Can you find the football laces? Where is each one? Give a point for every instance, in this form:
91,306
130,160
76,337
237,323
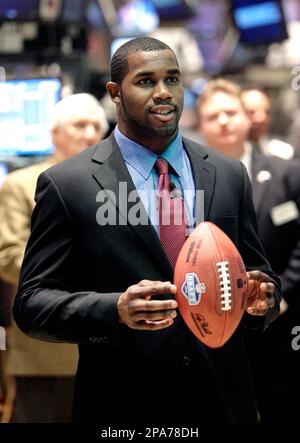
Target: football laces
224,278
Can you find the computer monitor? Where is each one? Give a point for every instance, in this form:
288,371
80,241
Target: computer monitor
135,18
3,173
259,21
19,9
25,111
73,11
175,9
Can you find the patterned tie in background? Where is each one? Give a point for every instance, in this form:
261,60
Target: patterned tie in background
172,226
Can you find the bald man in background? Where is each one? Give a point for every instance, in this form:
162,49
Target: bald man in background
224,125
43,372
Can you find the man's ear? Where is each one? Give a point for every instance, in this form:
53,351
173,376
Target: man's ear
54,134
114,91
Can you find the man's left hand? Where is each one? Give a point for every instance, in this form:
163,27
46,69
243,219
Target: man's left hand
260,297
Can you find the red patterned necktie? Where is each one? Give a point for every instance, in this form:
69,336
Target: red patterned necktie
172,226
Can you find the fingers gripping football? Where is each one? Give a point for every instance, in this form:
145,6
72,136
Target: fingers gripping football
260,293
137,310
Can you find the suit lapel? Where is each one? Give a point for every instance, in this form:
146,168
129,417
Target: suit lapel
261,179
204,178
112,174
111,171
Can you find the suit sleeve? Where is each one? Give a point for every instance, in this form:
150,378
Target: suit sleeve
253,254
45,306
15,213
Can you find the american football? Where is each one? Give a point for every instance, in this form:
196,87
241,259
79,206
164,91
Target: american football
211,282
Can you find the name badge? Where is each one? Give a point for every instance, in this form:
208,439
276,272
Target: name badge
284,213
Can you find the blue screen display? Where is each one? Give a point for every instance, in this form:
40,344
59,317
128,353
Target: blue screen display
166,3
174,9
258,15
19,9
73,10
3,173
136,17
25,111
259,21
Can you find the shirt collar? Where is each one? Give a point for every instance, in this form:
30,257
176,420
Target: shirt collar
246,158
143,160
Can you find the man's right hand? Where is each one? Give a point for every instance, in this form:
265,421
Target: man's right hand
138,311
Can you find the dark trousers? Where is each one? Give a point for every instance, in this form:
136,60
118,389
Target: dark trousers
43,400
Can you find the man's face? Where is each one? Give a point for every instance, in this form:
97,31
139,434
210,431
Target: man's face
224,124
78,133
258,109
150,98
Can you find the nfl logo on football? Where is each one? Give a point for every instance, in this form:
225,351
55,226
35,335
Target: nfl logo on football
192,288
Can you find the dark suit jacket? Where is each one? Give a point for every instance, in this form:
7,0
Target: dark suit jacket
74,271
271,354
280,241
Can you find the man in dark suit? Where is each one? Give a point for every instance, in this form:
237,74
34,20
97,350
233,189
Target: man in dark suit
96,273
223,124
276,194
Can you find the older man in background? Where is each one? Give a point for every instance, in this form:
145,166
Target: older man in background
43,373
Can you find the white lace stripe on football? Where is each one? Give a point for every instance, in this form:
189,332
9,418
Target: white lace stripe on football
225,285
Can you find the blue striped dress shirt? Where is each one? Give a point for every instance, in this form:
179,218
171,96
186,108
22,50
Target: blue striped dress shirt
140,162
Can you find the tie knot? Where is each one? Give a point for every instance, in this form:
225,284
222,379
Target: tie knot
162,166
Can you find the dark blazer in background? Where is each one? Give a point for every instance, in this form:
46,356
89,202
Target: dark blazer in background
74,271
276,182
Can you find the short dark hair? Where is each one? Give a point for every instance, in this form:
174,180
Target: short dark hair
119,65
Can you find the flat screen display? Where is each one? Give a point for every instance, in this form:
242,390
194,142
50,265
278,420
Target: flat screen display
25,111
259,21
73,11
19,9
175,9
3,173
135,18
